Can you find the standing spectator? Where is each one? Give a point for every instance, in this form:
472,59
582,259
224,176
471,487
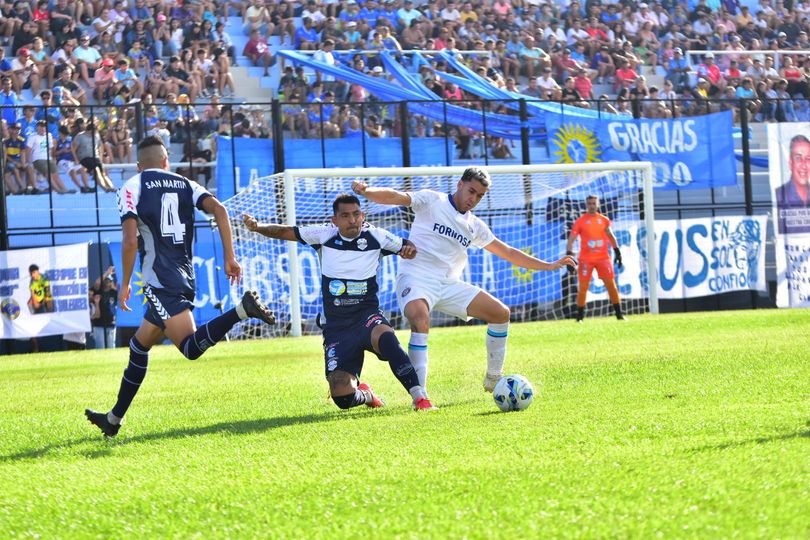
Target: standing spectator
106,303
87,150
17,174
63,154
9,101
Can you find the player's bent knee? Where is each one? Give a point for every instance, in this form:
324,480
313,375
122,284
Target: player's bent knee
344,402
501,315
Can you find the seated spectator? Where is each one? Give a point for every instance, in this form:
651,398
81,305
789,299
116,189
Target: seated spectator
533,59
551,90
711,72
258,51
583,85
17,175
306,37
602,65
67,84
257,17
104,80
87,60
677,69
40,149
533,90
126,77
180,80
26,74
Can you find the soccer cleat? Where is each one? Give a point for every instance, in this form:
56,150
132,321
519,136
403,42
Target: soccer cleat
256,309
99,419
424,404
621,317
490,381
372,399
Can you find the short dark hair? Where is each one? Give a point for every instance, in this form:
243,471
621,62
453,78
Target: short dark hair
33,268
476,173
344,198
151,140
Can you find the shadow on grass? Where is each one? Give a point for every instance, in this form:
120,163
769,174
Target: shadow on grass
240,427
757,440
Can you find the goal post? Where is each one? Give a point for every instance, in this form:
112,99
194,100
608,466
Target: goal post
528,206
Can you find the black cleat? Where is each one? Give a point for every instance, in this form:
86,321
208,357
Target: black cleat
99,419
256,309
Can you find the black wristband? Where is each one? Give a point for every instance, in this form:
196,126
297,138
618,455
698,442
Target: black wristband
569,252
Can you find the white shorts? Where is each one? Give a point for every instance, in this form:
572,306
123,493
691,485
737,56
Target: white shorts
66,166
450,296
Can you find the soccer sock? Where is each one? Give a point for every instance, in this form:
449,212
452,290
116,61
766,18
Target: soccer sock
352,400
418,353
417,392
131,381
208,334
496,347
398,360
617,309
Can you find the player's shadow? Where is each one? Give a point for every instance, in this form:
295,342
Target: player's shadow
239,427
756,440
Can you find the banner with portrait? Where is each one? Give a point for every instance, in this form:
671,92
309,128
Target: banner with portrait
789,172
44,291
687,153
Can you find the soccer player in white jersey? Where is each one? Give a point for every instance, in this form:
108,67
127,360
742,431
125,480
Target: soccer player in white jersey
350,250
444,228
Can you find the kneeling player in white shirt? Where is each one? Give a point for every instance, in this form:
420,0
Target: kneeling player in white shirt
443,228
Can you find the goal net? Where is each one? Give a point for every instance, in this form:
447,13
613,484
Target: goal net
530,207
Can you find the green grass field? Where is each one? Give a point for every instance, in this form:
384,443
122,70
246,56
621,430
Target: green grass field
692,425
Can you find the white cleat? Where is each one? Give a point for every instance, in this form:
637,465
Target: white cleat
490,381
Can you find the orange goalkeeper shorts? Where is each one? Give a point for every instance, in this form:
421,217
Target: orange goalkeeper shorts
603,267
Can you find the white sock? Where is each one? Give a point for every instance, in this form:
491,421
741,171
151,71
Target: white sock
496,348
418,353
111,418
240,310
417,392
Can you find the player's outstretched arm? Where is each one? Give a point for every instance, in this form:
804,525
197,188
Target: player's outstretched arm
279,232
518,258
381,195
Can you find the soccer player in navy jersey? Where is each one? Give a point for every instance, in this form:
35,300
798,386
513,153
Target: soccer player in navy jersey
350,250
157,217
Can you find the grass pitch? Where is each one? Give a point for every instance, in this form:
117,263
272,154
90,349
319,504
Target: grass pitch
692,425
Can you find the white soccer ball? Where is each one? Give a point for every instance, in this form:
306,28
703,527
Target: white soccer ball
513,393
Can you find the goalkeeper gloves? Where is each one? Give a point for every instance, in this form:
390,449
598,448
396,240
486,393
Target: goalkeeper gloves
571,269
617,258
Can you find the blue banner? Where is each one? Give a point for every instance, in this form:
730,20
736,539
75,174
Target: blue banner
688,153
246,158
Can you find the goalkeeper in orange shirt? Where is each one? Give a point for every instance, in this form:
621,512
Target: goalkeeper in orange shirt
594,234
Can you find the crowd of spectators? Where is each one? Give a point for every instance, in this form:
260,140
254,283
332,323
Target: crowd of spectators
172,56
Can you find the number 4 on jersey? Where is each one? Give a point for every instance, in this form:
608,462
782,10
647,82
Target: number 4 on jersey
170,224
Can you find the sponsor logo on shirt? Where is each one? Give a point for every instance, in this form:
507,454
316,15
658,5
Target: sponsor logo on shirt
449,232
336,287
356,288
406,292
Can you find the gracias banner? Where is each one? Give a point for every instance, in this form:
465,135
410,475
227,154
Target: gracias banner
695,257
43,291
789,156
688,153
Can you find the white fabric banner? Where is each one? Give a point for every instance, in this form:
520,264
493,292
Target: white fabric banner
789,168
49,300
696,257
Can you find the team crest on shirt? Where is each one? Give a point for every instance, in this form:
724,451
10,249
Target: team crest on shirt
406,292
362,243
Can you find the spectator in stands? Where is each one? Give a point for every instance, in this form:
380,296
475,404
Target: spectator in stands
711,72
26,74
87,151
306,37
677,69
40,149
126,77
258,51
785,111
87,60
533,59
17,174
9,101
63,154
180,80
583,85
104,80
796,81
551,90
602,64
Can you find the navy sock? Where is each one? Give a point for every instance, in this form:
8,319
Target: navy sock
133,377
352,400
398,360
208,334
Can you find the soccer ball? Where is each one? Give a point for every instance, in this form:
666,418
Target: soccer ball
513,393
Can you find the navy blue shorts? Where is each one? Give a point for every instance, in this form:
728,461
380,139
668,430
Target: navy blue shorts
162,305
344,345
